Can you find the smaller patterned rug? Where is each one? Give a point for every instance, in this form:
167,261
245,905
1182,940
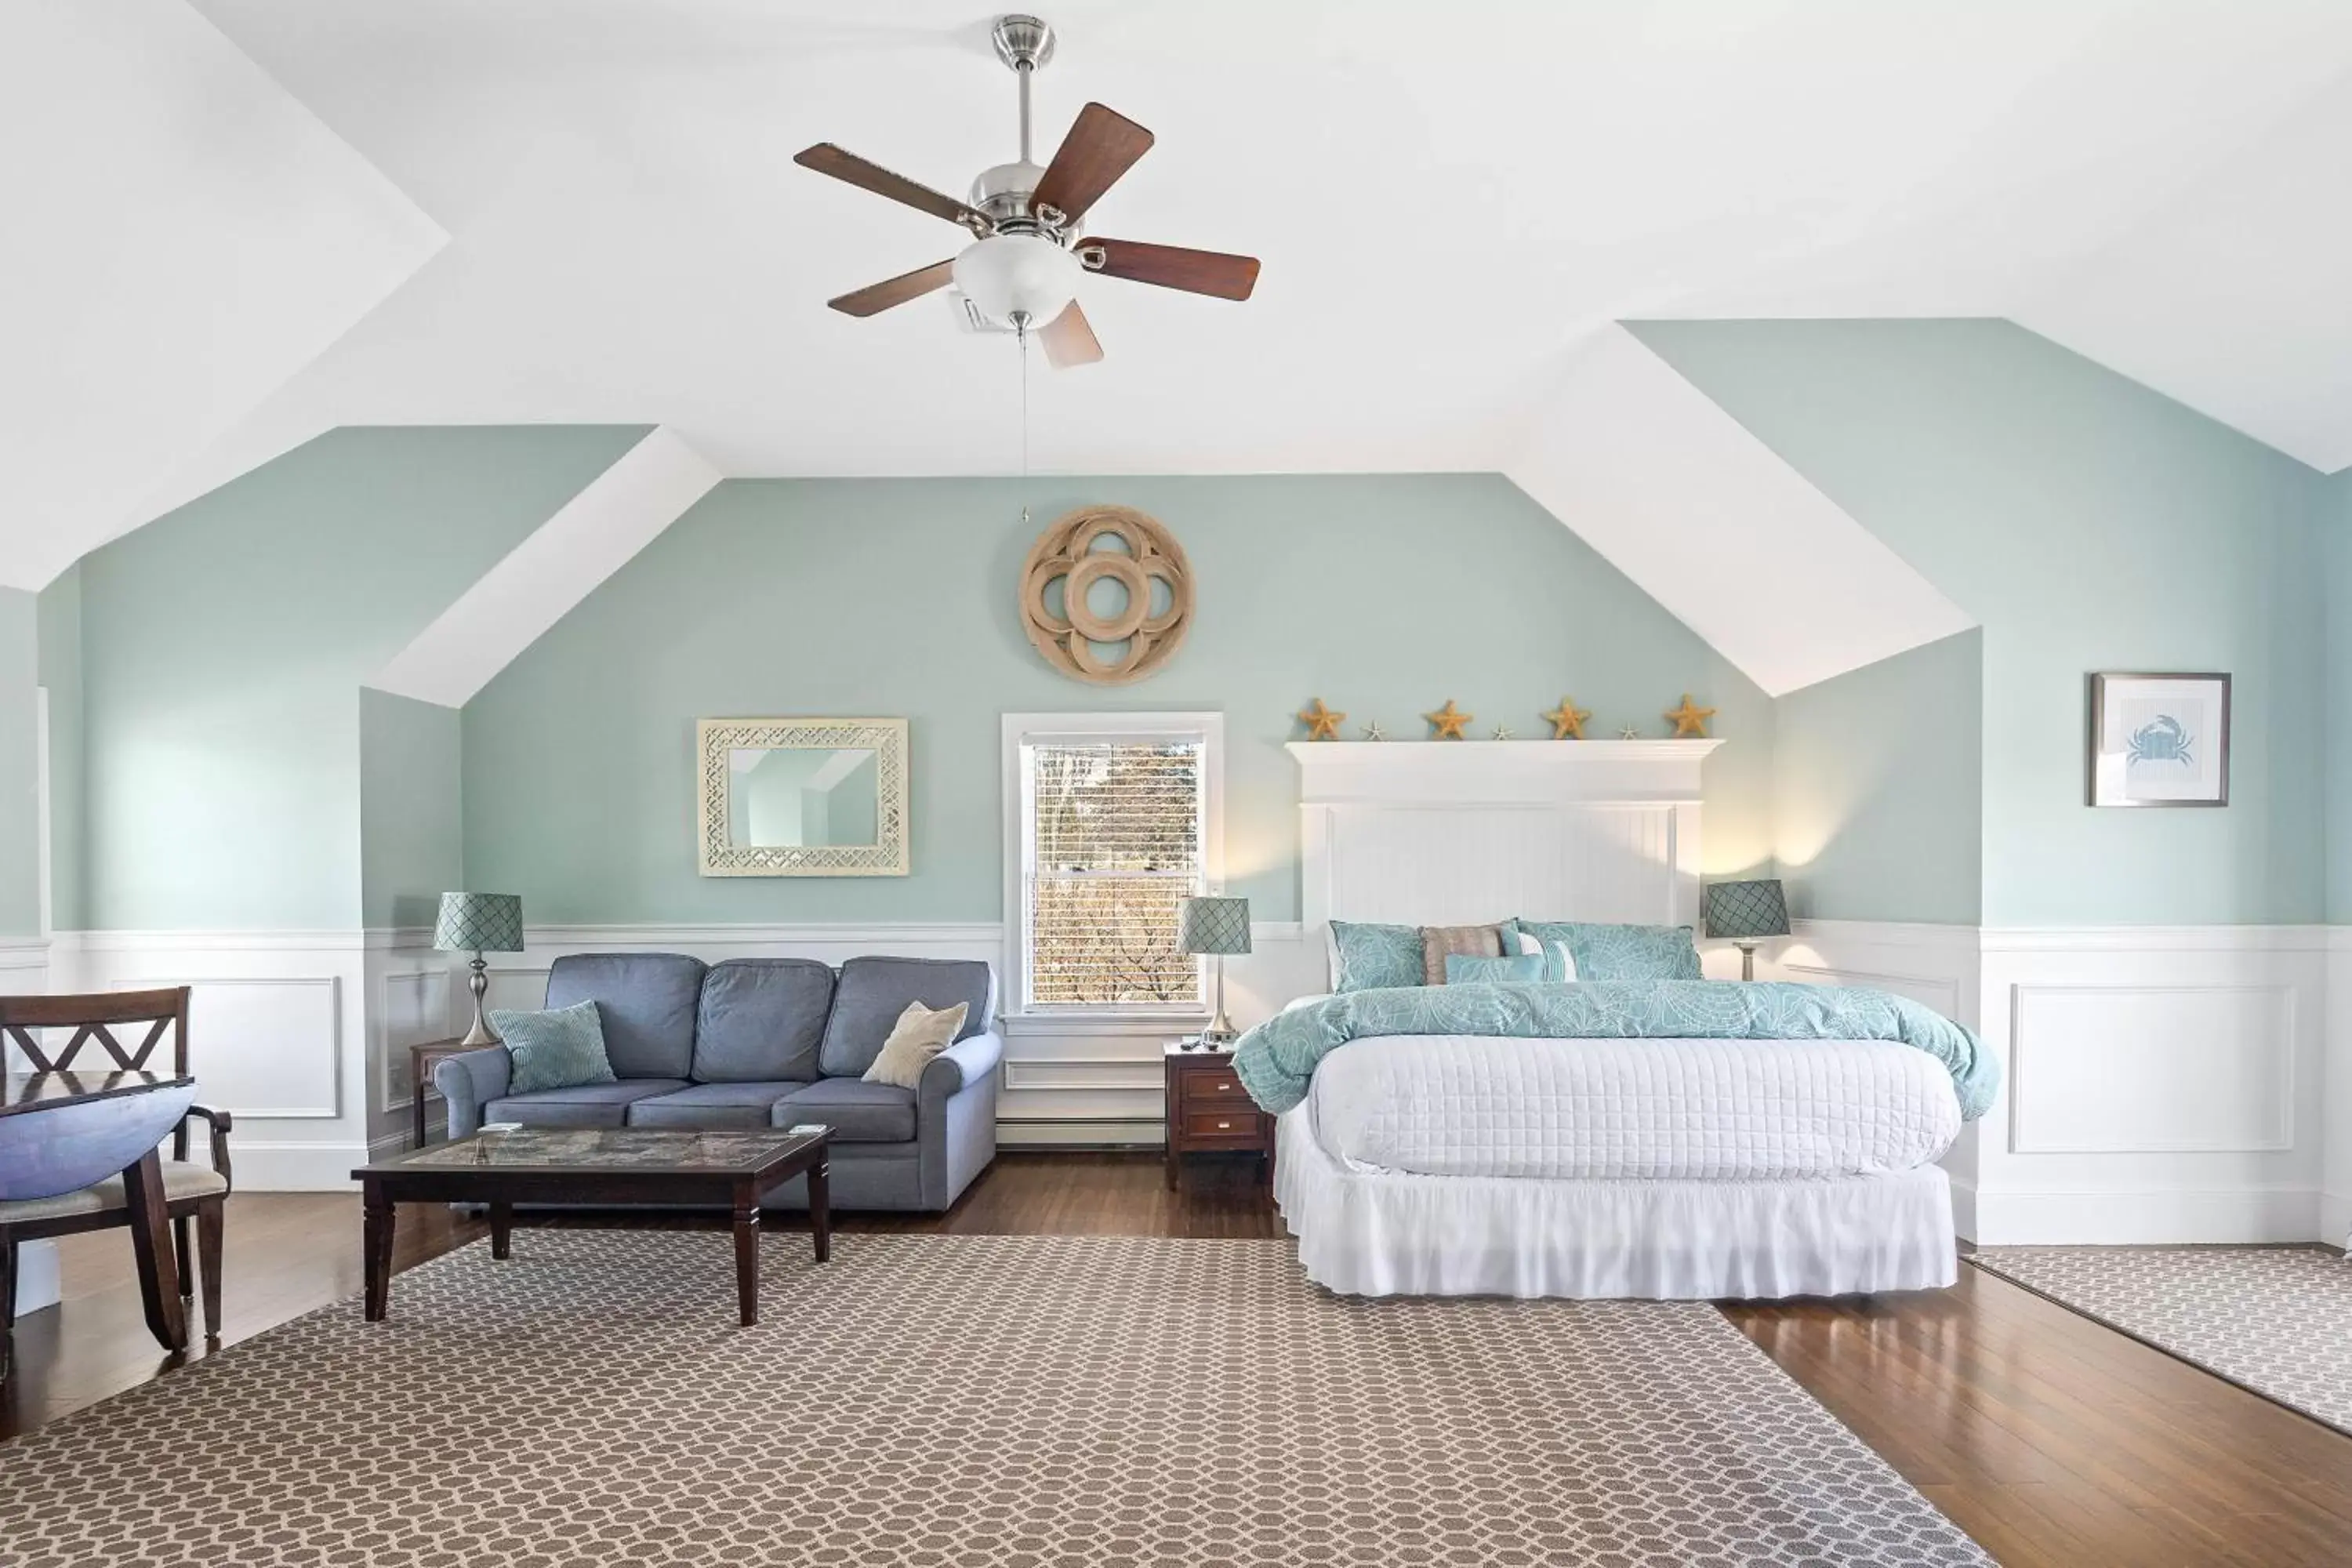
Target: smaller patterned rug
2275,1319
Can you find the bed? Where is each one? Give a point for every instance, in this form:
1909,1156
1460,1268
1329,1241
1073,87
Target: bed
1681,1138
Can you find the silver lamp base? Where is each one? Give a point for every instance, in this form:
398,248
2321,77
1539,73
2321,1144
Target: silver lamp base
480,1035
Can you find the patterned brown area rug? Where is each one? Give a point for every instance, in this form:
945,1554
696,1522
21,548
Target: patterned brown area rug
2275,1319
944,1401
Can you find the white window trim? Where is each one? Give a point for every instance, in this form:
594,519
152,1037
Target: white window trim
1029,728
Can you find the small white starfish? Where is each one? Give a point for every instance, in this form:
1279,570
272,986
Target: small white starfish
1372,731
1505,732
1628,734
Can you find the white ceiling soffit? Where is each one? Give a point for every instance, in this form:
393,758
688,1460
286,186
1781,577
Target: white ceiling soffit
2214,300
1711,523
561,563
186,237
1442,211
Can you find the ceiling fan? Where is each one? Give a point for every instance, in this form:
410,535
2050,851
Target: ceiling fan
1021,272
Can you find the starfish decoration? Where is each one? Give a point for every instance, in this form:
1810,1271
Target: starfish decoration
1322,724
1567,720
1448,721
1628,734
1372,731
1689,719
1505,732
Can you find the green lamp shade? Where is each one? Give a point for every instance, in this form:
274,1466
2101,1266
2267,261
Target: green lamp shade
1744,911
479,923
1213,925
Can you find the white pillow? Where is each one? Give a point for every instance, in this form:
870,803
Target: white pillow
1555,954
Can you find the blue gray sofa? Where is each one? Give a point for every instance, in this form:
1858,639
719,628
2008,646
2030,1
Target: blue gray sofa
770,1042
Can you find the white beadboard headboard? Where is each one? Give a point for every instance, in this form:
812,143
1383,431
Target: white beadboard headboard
1465,832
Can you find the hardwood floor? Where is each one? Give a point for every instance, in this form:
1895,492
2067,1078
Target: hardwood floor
2049,1438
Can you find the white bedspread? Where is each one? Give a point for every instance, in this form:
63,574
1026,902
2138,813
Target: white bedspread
1453,1105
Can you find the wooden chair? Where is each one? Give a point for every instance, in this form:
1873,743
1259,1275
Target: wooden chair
192,1193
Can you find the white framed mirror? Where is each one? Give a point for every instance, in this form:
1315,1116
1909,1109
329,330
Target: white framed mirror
801,797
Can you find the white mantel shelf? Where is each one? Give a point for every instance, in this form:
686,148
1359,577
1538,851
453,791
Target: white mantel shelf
1461,772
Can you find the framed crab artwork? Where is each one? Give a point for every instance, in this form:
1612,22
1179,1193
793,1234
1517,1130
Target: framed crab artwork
2159,740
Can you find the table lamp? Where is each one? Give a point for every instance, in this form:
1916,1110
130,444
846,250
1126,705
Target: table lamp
479,923
1215,927
1746,912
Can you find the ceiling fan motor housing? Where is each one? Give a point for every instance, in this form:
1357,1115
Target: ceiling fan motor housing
1003,191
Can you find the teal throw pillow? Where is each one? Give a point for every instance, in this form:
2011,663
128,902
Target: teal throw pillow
1370,957
1621,952
560,1050
1523,969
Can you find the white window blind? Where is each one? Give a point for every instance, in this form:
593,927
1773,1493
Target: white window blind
1114,842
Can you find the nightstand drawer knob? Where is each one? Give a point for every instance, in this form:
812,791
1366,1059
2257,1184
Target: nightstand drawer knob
1225,1126
1225,1089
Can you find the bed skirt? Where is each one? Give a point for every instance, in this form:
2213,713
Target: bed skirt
1383,1233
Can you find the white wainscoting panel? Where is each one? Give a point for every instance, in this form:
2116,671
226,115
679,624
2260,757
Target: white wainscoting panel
279,1034
414,1008
2161,1085
2151,1069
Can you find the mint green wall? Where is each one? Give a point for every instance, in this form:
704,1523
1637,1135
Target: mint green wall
1878,789
412,830
20,801
1385,595
2338,557
60,669
223,648
2087,523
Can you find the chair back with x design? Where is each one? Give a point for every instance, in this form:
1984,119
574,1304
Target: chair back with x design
93,1020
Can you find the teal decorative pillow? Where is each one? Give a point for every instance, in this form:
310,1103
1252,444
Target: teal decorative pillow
1370,957
1521,969
560,1050
1622,952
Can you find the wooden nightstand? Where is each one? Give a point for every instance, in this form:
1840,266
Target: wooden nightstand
1208,1109
420,1077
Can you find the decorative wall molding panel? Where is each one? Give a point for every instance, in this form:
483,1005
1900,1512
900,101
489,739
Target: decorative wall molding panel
2159,1085
269,1043
415,1009
2151,1069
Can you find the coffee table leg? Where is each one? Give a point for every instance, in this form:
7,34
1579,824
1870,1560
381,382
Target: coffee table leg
375,1248
747,1254
820,1200
501,1231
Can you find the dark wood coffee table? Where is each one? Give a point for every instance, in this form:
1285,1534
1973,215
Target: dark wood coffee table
599,1166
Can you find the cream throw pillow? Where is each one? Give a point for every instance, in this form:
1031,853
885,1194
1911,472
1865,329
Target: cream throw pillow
919,1035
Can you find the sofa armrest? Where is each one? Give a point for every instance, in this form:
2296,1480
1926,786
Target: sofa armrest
958,1066
468,1081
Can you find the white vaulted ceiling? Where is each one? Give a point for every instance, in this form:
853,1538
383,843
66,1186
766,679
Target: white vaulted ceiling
1449,205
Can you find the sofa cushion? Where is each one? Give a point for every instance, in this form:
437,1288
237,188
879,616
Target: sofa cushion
713,1107
760,1020
583,1105
647,1001
873,993
857,1111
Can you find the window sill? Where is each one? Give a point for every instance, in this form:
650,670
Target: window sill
1106,1022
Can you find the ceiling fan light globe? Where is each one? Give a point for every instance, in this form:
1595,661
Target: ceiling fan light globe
1018,276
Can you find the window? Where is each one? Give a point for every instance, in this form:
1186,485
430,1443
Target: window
1116,826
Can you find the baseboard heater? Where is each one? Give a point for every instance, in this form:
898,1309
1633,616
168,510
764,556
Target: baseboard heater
1081,1132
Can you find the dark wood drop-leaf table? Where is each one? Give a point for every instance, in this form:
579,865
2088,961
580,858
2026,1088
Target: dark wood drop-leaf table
596,1167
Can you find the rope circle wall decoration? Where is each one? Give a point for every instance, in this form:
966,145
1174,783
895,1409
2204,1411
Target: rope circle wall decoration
1077,631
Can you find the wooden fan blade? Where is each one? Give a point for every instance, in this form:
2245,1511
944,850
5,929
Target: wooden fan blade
1102,145
875,298
827,159
1069,339
1172,266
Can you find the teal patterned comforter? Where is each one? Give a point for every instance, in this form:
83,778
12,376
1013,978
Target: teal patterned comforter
1275,1060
